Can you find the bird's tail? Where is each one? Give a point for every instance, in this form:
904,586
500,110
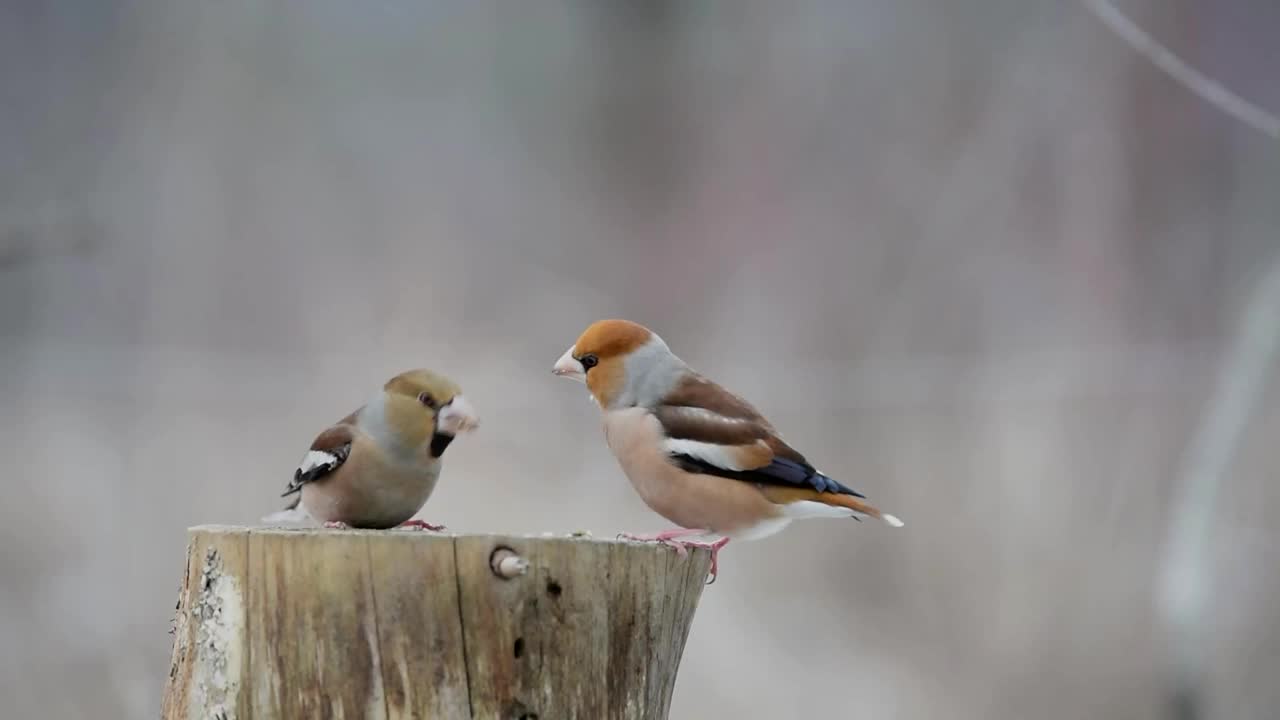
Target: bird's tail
860,506
293,513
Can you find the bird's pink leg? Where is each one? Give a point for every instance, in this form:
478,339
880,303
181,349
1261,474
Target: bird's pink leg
668,538
337,525
421,525
714,547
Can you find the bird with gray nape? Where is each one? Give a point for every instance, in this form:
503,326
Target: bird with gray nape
376,467
697,454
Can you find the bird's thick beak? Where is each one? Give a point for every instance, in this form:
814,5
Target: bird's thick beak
569,367
457,416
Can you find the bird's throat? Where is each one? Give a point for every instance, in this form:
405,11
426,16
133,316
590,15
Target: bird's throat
440,443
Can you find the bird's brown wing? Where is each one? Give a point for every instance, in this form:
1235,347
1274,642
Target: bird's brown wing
327,453
712,431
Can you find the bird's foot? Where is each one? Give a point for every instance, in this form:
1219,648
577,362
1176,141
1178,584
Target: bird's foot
337,525
420,525
669,538
665,537
714,547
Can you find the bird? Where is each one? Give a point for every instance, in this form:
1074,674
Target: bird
698,455
376,467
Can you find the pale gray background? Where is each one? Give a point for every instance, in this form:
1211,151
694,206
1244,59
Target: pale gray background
980,260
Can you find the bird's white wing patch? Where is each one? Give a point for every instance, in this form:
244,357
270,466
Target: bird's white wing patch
705,415
718,455
317,459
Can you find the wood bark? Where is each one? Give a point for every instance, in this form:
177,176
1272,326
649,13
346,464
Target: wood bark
275,623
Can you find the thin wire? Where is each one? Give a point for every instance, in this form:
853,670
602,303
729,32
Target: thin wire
1197,82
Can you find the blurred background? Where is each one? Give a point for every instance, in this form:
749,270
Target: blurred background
983,261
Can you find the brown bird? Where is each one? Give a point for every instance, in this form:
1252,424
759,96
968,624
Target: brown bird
698,455
377,466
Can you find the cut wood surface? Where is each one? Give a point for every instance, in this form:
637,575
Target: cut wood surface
309,623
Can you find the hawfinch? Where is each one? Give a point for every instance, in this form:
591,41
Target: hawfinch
698,455
377,466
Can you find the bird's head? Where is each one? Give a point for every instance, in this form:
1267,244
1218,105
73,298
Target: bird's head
422,404
617,360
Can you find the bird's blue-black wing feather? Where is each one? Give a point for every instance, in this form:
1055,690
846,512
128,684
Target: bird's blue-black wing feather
781,471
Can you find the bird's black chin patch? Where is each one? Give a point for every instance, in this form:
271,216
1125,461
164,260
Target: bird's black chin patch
439,443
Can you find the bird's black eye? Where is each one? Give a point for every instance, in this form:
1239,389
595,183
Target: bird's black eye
426,399
589,361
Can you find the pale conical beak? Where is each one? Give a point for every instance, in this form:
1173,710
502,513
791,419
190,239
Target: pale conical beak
458,416
569,367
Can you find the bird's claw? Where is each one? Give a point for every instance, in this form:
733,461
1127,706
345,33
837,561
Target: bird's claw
714,571
679,547
669,539
420,525
337,525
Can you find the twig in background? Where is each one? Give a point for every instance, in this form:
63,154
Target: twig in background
1206,87
1183,590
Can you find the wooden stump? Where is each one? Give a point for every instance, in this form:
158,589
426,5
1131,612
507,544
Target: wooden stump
291,624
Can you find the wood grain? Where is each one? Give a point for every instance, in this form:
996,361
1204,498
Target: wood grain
391,625
419,627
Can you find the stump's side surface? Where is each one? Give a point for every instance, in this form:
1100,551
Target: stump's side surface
316,623
209,667
593,630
